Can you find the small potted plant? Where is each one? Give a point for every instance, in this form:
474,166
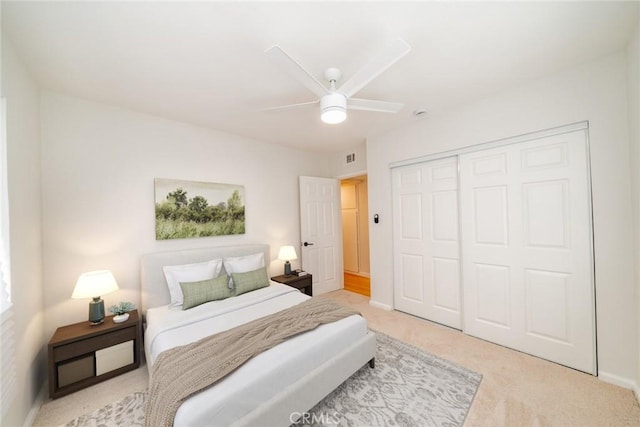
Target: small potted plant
120,310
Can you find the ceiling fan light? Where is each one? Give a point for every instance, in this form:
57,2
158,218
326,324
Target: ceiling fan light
334,108
333,115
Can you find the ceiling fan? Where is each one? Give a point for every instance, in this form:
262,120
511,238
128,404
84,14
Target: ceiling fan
334,102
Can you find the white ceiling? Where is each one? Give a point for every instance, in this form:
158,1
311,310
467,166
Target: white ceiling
204,62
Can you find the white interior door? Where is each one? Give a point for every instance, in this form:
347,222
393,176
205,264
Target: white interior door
426,251
321,232
527,248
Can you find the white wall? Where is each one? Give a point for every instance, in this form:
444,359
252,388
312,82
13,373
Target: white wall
363,227
596,92
23,152
99,165
341,169
633,81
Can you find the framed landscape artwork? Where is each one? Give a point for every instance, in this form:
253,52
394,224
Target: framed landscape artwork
186,209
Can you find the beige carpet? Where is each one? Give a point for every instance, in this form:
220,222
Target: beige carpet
516,389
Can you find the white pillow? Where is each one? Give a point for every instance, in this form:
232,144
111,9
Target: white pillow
189,273
242,264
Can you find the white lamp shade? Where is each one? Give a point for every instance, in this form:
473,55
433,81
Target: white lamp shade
94,283
287,253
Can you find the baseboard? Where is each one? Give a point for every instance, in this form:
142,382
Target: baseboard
319,289
357,283
619,381
636,391
377,304
37,404
353,273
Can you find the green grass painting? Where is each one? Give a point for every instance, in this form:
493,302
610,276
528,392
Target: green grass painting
186,209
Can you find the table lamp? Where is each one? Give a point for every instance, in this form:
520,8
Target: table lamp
91,284
286,254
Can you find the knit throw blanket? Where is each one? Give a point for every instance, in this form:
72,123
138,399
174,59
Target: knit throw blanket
183,371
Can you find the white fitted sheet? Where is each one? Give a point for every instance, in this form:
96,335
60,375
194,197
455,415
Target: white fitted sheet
261,377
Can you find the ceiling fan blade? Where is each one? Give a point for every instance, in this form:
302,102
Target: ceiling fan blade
296,70
372,105
389,56
288,107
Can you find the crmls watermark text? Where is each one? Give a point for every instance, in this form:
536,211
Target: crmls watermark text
308,418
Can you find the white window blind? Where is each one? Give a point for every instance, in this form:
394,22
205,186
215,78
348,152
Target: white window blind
7,338
5,273
8,361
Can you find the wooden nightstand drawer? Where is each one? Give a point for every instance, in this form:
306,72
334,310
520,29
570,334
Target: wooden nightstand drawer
84,346
114,357
76,370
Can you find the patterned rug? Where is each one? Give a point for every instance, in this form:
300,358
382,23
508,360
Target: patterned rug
408,387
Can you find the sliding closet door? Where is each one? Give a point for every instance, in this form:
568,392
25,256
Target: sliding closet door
426,254
527,257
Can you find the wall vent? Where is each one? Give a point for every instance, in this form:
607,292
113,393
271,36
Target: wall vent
351,158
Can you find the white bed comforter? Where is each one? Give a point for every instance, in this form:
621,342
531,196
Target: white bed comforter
261,377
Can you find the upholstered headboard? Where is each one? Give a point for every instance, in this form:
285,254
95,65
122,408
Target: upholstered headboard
154,290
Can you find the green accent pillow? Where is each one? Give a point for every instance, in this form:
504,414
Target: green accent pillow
250,281
196,293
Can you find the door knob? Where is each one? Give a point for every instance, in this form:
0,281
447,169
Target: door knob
307,244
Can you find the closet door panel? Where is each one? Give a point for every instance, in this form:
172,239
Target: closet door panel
490,216
411,280
527,257
547,302
493,300
426,253
409,239
446,284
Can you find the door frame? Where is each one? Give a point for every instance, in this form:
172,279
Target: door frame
339,217
356,174
584,125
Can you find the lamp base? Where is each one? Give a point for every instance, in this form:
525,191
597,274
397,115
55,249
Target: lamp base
96,311
287,268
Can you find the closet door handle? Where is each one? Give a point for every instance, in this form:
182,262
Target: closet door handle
307,244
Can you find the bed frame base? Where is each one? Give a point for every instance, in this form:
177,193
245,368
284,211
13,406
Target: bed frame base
291,403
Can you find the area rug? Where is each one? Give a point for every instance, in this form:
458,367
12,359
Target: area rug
128,412
408,387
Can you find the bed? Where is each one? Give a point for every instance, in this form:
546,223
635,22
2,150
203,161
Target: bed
274,387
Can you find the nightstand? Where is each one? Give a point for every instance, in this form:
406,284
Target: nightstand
81,355
304,283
